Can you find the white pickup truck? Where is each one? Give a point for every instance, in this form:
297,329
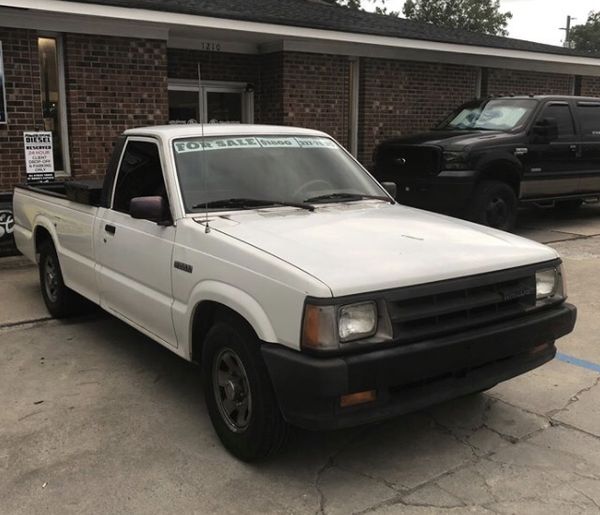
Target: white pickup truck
307,294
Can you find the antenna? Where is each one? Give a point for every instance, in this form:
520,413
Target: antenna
203,163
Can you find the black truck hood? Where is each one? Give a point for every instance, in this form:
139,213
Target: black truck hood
457,139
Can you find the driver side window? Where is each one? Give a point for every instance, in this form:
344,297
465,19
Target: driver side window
140,175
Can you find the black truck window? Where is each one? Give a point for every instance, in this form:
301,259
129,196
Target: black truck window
589,117
140,175
562,114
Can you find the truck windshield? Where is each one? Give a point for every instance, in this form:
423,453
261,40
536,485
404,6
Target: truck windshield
491,115
242,172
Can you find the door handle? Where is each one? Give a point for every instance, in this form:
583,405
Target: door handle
110,228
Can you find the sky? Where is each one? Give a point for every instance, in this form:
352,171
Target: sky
536,20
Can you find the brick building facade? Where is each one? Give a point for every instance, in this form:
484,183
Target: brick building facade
301,63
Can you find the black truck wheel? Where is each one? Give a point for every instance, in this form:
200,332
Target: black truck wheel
494,204
60,300
239,394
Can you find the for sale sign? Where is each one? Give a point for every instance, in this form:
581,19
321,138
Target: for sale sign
39,159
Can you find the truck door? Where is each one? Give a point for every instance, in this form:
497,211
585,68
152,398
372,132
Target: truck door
552,164
134,256
588,115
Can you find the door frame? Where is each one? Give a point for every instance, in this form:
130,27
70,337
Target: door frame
212,86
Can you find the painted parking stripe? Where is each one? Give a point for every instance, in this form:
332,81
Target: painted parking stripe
578,362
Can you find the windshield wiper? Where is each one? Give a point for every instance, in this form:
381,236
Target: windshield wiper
251,203
347,197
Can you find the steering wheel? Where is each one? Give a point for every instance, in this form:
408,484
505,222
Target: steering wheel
307,185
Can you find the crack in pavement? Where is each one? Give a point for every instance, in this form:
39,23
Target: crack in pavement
573,399
330,463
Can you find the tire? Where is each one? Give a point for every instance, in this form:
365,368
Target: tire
239,394
568,206
60,300
494,204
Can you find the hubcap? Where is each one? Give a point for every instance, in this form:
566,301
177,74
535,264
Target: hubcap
51,279
497,212
232,392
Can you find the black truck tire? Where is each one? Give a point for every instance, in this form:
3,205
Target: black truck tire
60,300
239,393
494,204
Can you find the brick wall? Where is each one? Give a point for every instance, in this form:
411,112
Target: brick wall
24,109
183,64
517,82
268,101
400,97
316,93
113,84
590,86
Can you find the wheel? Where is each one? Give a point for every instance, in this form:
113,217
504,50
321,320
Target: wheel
568,206
238,391
60,301
494,204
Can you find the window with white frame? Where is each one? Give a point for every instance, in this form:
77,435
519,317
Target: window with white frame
54,109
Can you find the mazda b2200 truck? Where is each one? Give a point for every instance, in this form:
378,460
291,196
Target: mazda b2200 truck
309,297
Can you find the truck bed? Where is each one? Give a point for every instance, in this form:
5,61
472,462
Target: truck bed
83,192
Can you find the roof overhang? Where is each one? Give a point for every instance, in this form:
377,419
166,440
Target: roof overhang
191,31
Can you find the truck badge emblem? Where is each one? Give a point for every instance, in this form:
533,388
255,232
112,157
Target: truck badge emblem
183,266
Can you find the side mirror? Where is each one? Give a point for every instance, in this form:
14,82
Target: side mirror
149,208
391,188
546,129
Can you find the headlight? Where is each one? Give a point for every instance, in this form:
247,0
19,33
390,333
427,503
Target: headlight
357,321
454,160
549,283
336,327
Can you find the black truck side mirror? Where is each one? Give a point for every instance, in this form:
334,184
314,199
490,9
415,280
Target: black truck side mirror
153,208
546,129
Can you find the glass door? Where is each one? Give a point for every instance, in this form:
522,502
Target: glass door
210,102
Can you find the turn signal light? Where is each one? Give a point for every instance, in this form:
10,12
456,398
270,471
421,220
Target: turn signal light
353,399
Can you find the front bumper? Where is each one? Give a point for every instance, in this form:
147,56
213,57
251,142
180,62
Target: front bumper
411,377
447,192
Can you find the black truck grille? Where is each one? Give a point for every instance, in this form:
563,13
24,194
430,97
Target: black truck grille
457,307
395,161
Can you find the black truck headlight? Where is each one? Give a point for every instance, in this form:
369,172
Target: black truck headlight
344,326
549,283
455,160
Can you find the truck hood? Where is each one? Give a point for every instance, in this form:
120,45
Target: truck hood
451,139
369,246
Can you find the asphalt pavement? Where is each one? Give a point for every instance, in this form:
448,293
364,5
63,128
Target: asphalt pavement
97,418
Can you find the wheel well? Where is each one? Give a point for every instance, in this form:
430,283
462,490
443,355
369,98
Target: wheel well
41,236
205,316
505,172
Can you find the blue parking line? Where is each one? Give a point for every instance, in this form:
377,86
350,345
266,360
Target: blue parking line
578,362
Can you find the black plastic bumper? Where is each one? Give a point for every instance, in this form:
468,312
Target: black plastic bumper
448,192
411,377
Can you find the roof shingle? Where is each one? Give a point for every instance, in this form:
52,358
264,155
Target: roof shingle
317,15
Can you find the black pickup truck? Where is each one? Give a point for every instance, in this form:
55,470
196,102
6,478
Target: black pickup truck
491,155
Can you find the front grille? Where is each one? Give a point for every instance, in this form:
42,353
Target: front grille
460,305
397,161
